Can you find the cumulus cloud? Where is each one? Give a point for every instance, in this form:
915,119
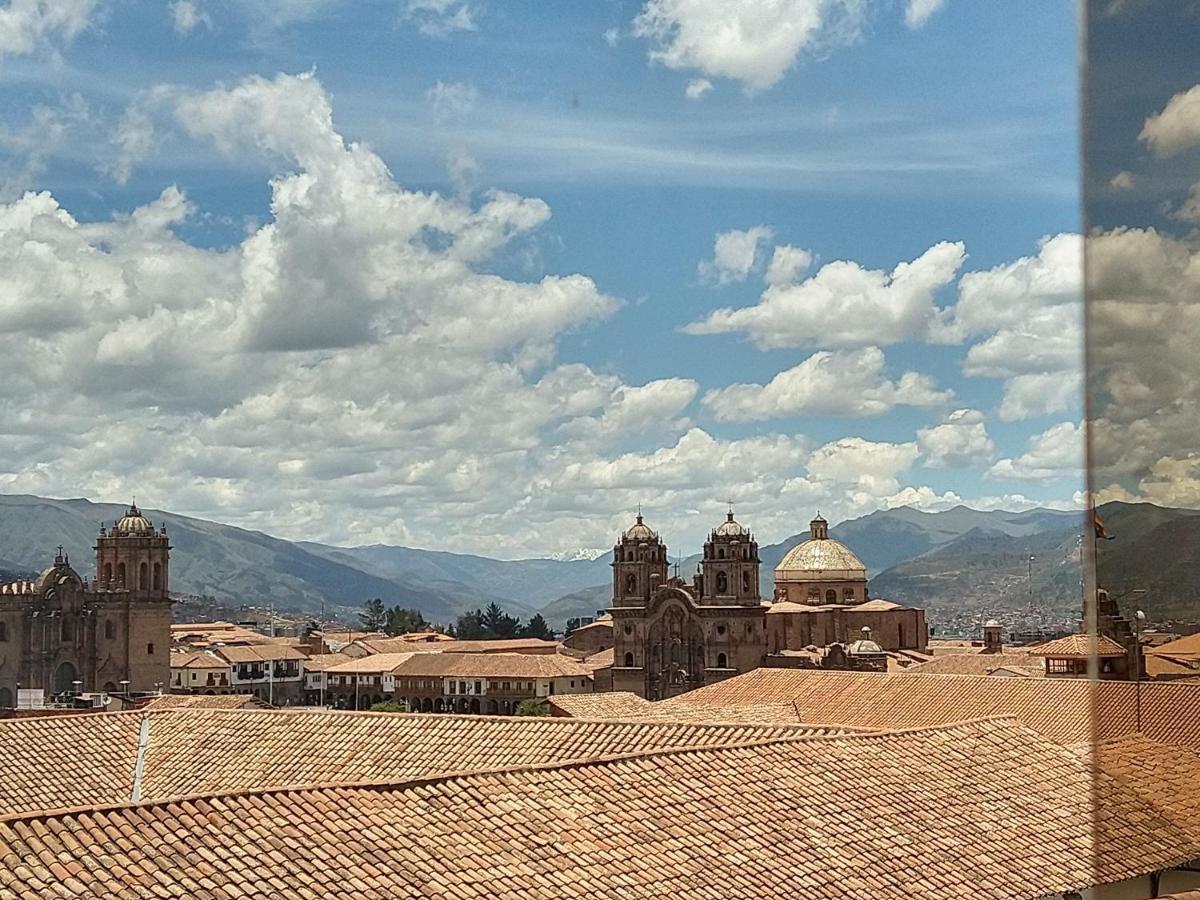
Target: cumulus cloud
1144,378
1057,452
697,88
451,100
917,12
735,254
745,40
441,18
842,383
1027,319
871,466
787,263
136,137
845,305
186,17
1176,127
29,25
1122,181
958,441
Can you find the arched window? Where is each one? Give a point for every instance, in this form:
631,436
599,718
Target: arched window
722,582
720,552
630,583
722,661
745,581
831,596
158,576
110,630
629,660
143,577
121,574
107,572
848,593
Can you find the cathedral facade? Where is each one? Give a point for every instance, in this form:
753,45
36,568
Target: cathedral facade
60,633
671,636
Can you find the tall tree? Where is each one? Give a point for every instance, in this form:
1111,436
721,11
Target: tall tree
403,621
498,623
537,628
470,626
374,615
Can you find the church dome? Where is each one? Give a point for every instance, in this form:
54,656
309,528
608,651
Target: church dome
820,559
640,531
133,522
864,646
731,528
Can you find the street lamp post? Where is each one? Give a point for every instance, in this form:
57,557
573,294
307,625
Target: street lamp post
1139,619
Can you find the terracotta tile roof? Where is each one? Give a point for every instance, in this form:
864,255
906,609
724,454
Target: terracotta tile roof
64,761
207,701
975,664
601,659
493,665
1185,648
980,810
257,653
196,659
321,662
376,663
1060,708
513,645
629,707
1078,646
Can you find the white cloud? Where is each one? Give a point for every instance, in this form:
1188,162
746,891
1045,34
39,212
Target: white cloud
451,100
1177,127
746,40
843,383
735,254
1122,181
787,263
136,137
1058,452
186,17
872,466
28,148
1189,210
441,18
697,88
844,305
28,25
959,441
612,36
1029,314
917,12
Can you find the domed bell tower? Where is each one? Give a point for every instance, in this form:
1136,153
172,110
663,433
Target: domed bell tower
133,556
639,565
729,570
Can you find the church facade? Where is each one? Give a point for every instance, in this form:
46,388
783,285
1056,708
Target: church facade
671,636
60,633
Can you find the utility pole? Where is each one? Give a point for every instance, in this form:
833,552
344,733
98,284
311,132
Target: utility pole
1139,619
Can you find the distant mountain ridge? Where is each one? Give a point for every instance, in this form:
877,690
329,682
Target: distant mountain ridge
957,560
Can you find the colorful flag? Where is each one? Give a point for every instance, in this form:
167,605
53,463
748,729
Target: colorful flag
1101,532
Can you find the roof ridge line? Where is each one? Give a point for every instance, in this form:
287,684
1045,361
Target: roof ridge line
441,777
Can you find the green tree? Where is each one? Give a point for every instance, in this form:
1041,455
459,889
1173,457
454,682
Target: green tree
389,706
374,615
470,626
537,628
533,708
498,623
402,621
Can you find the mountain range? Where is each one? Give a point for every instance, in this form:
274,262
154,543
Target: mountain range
956,563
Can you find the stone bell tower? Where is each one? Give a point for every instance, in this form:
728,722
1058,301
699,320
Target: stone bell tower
639,565
134,557
729,570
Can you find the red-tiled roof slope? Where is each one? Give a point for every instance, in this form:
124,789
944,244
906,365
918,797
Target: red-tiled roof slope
207,701
83,760
977,810
1067,710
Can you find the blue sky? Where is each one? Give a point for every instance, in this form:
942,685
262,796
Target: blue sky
864,132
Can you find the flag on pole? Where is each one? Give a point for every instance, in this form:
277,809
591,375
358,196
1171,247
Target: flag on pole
1101,531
